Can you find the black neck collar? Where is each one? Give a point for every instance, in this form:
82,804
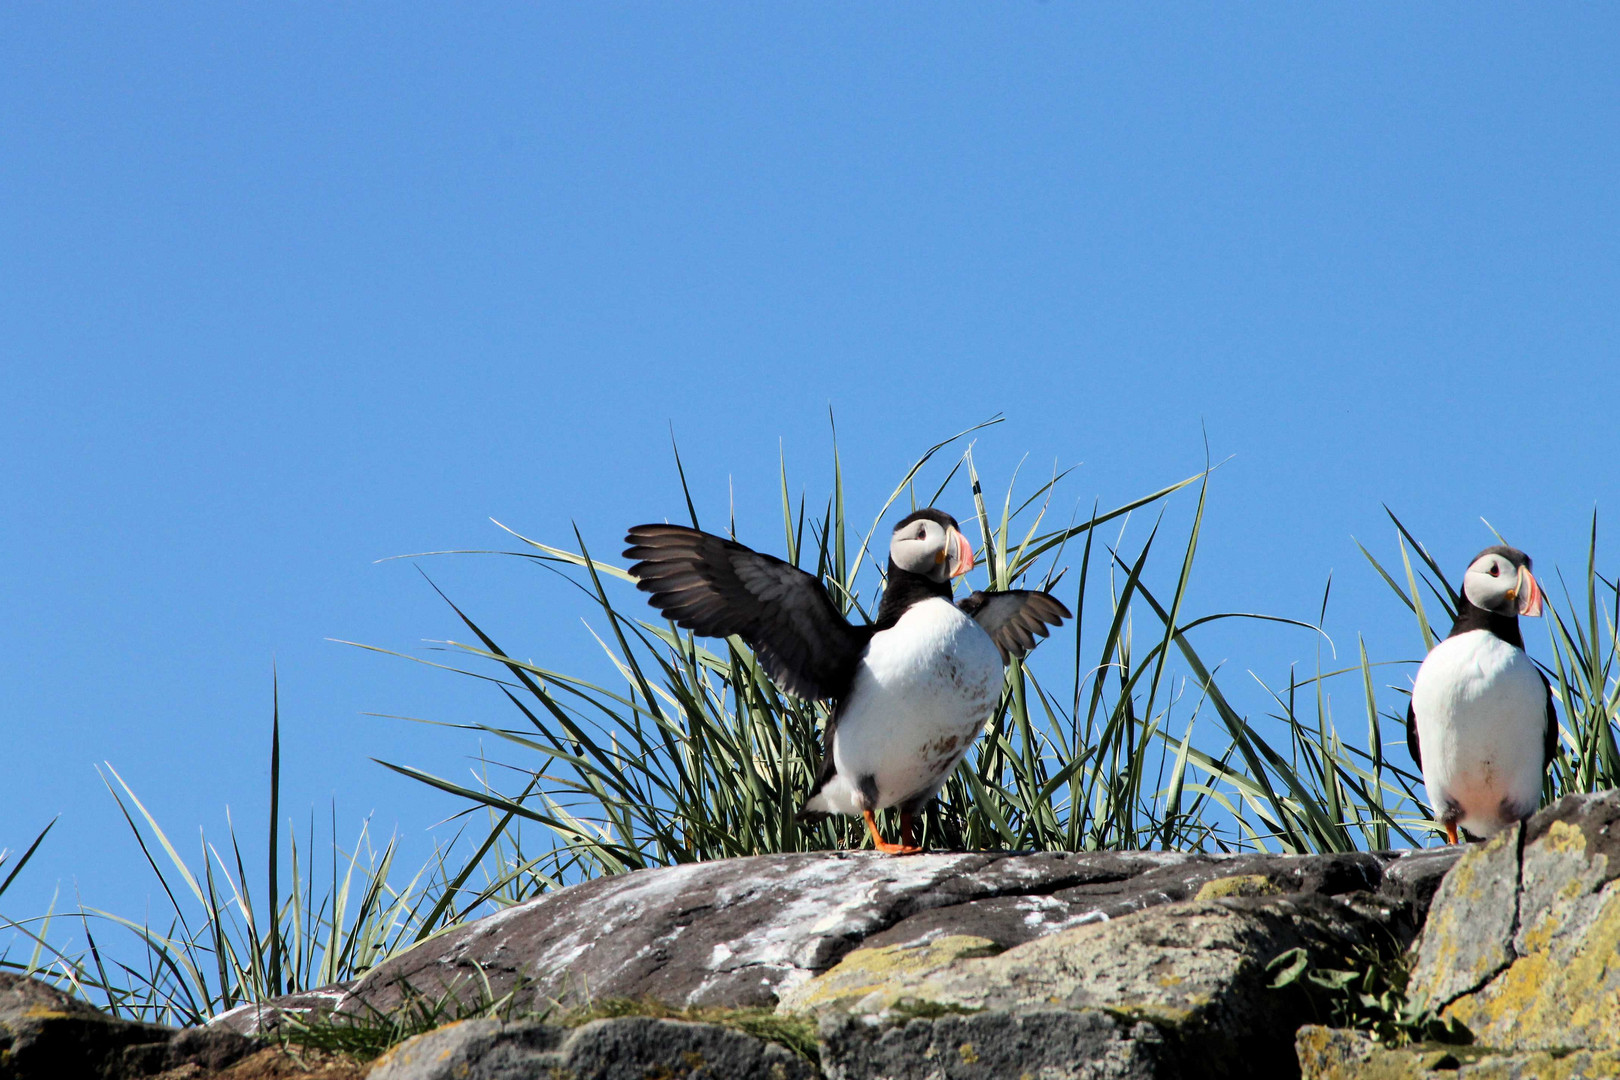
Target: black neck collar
904,589
1470,617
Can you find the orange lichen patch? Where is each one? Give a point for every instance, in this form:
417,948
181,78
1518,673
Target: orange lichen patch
410,1051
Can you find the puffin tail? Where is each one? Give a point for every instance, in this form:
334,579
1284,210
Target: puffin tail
815,808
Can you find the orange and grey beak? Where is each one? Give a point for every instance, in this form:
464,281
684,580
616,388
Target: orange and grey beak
1529,593
962,561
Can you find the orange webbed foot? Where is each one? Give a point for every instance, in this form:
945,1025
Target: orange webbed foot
906,847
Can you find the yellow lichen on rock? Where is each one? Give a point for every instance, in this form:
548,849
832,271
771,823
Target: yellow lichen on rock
1565,839
1564,990
1238,885
881,977
1468,936
1337,1054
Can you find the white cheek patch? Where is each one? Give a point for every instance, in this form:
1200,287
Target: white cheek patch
911,554
1484,591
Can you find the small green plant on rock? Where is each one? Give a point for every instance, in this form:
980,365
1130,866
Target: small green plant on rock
1369,995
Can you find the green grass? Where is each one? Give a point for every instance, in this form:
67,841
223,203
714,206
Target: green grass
1117,734
336,912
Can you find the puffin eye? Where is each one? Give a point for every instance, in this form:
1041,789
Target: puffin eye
1496,570
922,532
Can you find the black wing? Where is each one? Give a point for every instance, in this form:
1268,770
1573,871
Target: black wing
718,588
1549,740
1411,737
1016,618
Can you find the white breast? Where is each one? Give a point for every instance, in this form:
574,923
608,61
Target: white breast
1481,711
921,696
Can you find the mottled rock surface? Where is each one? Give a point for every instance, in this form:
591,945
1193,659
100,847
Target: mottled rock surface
625,1048
1042,1044
1523,945
1331,1054
742,932
47,1035
1194,972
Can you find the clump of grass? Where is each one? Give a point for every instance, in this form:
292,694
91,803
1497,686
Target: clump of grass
1115,735
695,754
223,943
922,1009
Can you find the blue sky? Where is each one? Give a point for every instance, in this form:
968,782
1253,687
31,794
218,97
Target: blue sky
288,289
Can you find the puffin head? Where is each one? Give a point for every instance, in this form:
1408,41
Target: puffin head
1499,581
928,543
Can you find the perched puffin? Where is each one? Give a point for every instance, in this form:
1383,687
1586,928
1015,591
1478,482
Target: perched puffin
1481,724
910,692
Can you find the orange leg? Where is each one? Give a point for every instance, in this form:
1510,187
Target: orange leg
904,848
1451,832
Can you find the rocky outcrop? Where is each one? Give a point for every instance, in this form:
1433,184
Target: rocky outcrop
744,932
1524,944
47,1035
855,966
1179,990
1136,964
1330,1054
624,1048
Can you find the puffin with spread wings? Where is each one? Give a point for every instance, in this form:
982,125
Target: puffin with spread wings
910,692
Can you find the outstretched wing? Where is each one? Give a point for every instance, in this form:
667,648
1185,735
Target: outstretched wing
1412,738
1015,618
717,588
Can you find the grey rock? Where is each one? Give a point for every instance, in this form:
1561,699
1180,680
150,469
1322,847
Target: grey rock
1194,972
741,932
624,1048
1553,977
1468,936
264,1017
46,1034
728,933
1052,1044
1413,878
212,1049
1336,1054
1123,883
